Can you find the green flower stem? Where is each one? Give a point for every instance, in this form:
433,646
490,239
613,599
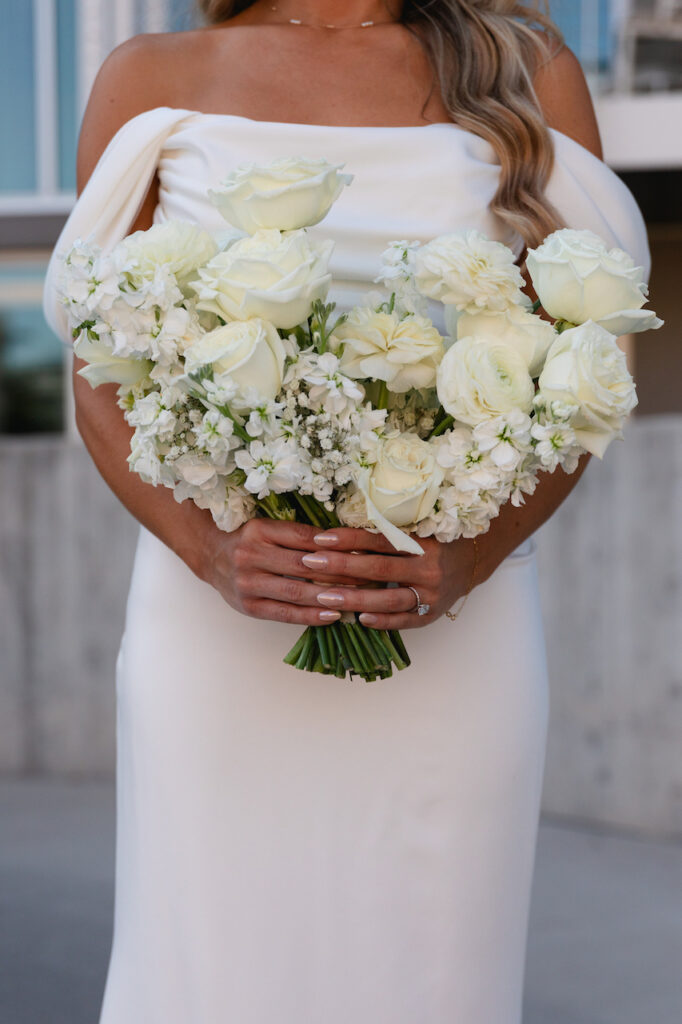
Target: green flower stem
382,399
307,647
390,647
442,427
563,325
399,645
295,652
323,646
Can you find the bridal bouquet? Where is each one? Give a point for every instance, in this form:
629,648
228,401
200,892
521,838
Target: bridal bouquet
250,396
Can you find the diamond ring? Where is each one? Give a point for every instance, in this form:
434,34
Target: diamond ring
421,609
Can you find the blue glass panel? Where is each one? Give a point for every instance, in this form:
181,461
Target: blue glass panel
568,16
17,98
182,14
66,72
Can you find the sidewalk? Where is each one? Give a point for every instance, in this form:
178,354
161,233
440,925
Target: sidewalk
605,940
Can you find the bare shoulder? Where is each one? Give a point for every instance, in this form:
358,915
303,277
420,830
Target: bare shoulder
565,99
143,73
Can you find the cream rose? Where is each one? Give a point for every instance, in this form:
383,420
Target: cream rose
402,487
469,271
274,275
525,332
585,368
578,279
103,367
178,245
248,352
290,193
480,379
380,346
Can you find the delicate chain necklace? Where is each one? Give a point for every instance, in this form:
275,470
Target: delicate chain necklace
312,24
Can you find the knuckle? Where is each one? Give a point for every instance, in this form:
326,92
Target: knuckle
250,606
380,568
291,591
241,556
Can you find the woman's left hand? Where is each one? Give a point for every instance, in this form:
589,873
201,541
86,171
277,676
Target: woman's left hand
440,576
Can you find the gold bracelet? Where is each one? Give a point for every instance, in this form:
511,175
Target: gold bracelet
453,615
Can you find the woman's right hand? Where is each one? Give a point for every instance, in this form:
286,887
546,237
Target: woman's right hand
258,570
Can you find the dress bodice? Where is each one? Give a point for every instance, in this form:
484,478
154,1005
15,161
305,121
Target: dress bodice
409,182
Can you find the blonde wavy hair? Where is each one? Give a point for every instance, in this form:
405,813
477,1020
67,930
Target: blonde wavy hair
484,54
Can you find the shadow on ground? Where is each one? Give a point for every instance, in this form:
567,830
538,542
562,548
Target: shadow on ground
605,941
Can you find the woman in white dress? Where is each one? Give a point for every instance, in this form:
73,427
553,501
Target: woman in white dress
293,849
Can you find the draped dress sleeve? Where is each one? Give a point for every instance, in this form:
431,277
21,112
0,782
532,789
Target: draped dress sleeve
112,198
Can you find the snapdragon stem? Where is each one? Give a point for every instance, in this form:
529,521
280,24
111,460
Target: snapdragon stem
444,425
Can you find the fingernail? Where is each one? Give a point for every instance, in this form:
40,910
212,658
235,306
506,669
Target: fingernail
326,538
315,561
331,599
330,616
367,619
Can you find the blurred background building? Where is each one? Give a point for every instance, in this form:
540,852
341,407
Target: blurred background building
610,560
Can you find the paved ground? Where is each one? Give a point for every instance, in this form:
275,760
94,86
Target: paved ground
605,941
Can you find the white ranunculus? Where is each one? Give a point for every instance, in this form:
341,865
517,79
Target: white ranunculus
289,193
480,379
525,332
405,353
402,487
103,367
274,275
179,246
469,271
586,368
248,353
578,279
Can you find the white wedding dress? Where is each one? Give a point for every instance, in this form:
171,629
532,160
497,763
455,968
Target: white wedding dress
292,848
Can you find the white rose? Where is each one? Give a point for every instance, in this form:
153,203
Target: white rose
103,367
578,279
250,353
526,333
177,245
480,379
273,275
469,271
380,346
290,193
586,368
401,488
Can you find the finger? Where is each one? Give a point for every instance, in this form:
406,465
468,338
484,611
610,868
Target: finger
380,568
261,585
277,611
286,562
350,539
364,599
400,621
298,536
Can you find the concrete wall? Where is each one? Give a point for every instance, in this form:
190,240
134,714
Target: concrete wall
610,565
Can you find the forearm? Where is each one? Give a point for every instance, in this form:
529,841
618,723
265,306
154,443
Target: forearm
514,525
184,528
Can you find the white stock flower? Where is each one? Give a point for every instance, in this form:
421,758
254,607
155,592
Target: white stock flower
506,439
289,193
248,352
469,271
332,390
405,353
586,368
554,442
103,367
237,508
402,486
479,379
398,265
271,468
178,246
578,279
274,275
525,332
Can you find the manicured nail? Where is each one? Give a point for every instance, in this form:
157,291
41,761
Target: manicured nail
367,619
315,561
326,539
331,599
330,616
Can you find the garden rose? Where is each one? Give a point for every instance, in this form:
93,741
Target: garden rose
290,193
480,379
525,332
585,368
405,353
274,275
469,271
578,279
249,353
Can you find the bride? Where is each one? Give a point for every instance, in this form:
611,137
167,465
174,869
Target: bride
294,849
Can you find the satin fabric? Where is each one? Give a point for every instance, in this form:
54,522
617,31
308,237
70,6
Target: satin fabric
294,849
